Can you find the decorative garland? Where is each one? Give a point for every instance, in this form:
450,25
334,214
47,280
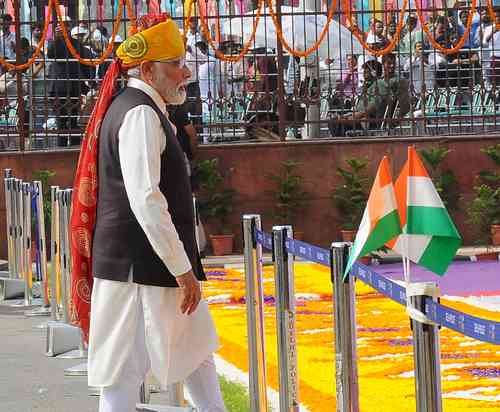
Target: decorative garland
36,54
462,40
390,47
315,46
206,31
109,48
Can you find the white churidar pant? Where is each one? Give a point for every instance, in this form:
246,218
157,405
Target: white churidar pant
136,327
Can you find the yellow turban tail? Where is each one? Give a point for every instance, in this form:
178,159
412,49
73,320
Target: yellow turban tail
163,41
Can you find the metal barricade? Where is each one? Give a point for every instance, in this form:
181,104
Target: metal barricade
26,242
284,247
426,350
8,218
346,373
285,320
63,339
41,241
64,205
255,314
54,251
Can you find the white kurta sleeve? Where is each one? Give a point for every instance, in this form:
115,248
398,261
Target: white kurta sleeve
141,144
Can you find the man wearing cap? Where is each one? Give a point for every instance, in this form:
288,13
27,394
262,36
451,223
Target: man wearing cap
135,257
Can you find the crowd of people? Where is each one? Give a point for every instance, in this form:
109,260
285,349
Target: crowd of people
357,91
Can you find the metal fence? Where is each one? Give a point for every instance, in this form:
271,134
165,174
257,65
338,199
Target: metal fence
421,299
263,70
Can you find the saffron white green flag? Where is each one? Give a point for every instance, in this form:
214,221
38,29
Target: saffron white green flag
429,236
380,222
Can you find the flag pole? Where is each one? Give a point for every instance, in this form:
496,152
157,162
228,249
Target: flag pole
406,270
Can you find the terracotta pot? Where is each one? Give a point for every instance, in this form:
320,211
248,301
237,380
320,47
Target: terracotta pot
495,235
365,260
348,235
487,256
222,244
298,235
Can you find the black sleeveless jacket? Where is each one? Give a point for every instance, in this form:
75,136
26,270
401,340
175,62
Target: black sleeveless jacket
119,241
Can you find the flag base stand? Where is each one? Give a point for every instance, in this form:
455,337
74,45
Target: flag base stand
144,407
94,391
11,289
77,370
61,338
41,311
426,350
73,354
43,325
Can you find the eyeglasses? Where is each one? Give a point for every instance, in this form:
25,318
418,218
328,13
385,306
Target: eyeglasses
179,63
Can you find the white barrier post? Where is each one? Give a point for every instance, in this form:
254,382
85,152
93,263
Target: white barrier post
285,320
42,241
8,215
255,314
345,331
26,242
54,246
63,340
12,287
18,222
426,351
61,199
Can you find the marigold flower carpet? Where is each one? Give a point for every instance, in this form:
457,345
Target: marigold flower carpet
470,369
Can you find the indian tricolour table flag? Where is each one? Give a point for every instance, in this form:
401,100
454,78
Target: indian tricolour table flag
429,236
380,222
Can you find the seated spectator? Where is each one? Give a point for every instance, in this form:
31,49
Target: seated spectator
262,82
421,70
376,38
379,100
366,105
347,84
362,60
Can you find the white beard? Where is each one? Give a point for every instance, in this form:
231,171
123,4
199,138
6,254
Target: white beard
178,97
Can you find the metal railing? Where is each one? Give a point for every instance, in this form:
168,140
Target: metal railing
426,315
268,93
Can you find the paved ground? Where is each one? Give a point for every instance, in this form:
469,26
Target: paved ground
31,382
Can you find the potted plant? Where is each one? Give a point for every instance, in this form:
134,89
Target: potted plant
444,180
351,195
216,204
484,212
44,176
288,195
492,179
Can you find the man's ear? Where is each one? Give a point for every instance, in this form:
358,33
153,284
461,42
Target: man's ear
147,70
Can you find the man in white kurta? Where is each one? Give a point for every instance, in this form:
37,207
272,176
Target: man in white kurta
136,327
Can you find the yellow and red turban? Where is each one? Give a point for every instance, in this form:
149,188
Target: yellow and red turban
158,38
161,41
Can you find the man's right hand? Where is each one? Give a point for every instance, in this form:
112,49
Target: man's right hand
190,287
